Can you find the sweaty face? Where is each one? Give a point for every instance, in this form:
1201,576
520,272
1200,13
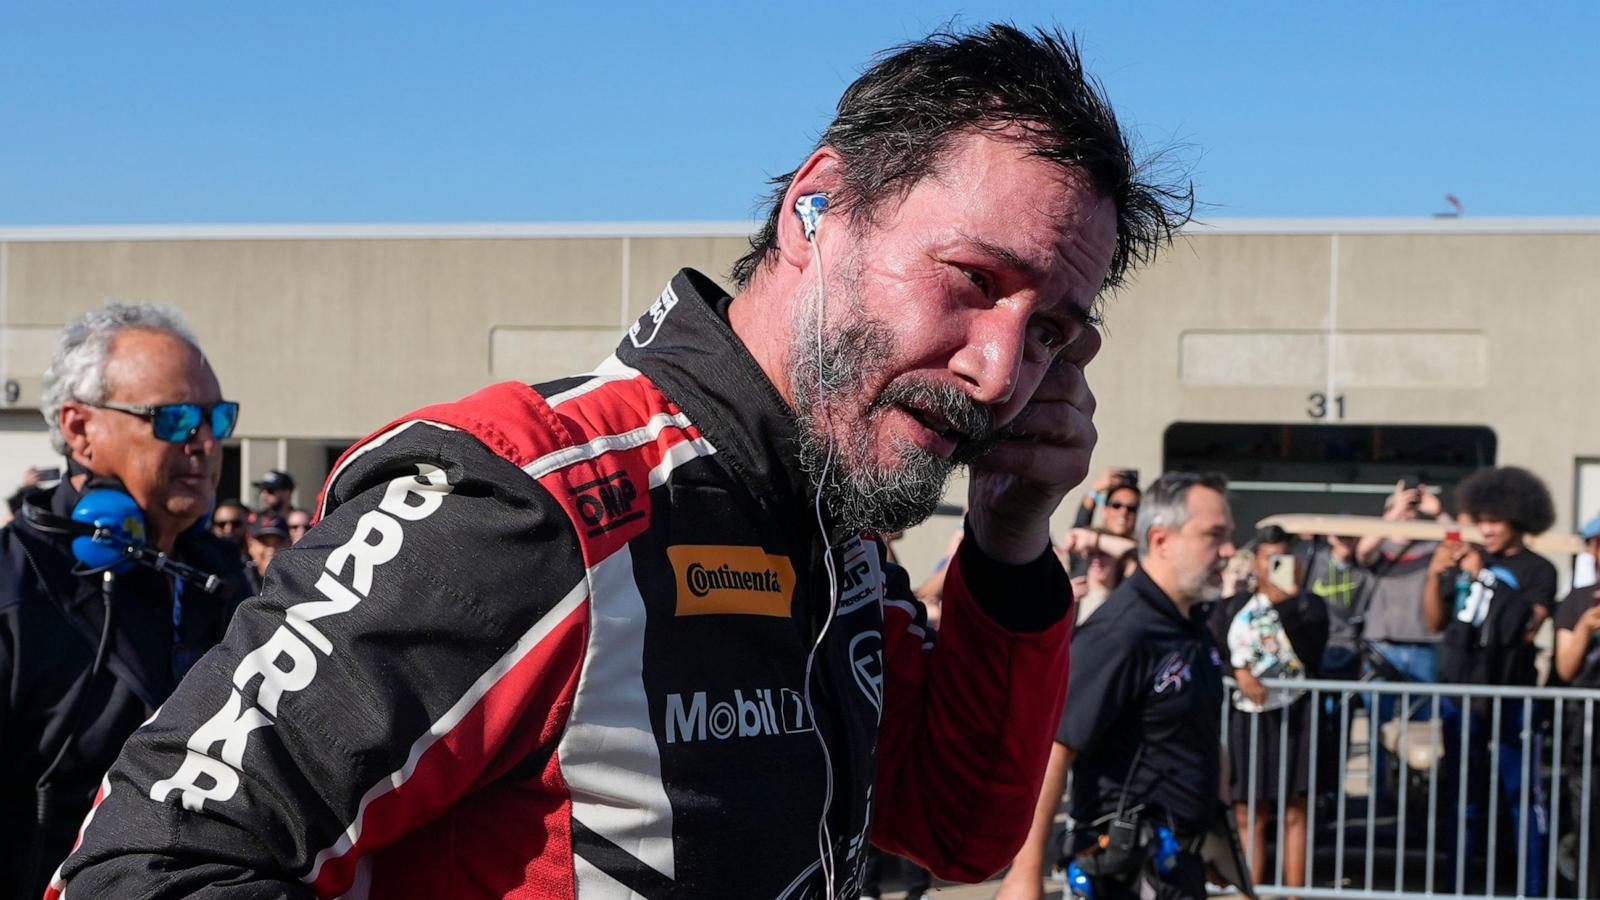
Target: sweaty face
174,483
943,316
872,486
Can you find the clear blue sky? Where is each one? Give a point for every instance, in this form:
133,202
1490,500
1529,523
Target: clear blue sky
194,112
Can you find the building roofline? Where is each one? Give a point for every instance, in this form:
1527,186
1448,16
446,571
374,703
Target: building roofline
1411,225
734,229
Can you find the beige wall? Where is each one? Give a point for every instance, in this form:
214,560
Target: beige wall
329,333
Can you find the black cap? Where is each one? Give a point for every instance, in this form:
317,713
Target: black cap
269,525
276,480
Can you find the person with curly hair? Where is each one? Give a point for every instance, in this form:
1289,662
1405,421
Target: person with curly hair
1489,602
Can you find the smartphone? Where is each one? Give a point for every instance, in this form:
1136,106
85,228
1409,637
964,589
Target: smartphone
49,474
1280,572
1130,477
1079,567
1452,536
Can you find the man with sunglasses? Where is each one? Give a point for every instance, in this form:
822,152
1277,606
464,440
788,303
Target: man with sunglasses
276,493
229,521
299,522
133,405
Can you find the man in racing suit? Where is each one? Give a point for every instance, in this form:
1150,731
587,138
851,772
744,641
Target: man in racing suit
619,635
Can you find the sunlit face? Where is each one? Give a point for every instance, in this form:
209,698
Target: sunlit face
274,498
228,523
1198,552
1121,510
943,317
1262,561
298,521
1498,534
263,548
174,483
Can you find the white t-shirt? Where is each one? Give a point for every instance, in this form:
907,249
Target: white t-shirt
1258,644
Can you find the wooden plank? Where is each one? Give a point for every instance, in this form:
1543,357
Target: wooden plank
1557,543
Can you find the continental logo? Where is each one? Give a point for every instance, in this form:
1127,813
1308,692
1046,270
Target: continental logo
719,580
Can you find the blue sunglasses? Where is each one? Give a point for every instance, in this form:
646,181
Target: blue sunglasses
180,422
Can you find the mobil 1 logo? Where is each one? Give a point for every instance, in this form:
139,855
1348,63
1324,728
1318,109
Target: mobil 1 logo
762,712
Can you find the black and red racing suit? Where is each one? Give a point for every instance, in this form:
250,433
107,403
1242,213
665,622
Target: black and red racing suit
552,642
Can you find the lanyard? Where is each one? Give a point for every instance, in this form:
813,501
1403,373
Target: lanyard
177,609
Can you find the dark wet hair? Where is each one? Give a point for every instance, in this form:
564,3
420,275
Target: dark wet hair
896,121
1509,494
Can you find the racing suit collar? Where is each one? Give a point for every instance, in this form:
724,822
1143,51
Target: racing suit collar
685,345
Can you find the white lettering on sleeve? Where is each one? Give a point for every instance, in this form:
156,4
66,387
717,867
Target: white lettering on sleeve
263,661
230,726
286,663
340,600
366,555
224,781
428,487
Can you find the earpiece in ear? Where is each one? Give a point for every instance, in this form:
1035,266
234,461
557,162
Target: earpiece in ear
810,207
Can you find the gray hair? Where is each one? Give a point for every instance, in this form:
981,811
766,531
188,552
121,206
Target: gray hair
1166,503
78,369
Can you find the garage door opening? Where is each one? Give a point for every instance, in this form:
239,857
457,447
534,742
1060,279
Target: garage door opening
1325,468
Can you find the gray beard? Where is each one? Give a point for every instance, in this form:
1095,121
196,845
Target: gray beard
858,494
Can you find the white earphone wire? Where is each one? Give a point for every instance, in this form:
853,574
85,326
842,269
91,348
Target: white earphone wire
824,839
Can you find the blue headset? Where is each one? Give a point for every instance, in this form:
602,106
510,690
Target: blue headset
118,524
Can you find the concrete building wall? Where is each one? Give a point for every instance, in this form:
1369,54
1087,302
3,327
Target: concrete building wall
326,333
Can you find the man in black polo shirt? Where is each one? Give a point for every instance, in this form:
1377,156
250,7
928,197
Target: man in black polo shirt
1141,721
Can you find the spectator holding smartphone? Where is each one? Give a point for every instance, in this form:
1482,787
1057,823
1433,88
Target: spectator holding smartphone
1117,491
1277,630
1488,602
1394,621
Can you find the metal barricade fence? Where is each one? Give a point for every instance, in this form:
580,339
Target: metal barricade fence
1480,756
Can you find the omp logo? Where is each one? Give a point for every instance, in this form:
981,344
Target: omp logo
606,502
716,579
759,713
287,662
657,314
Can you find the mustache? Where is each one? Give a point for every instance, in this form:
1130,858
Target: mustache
973,420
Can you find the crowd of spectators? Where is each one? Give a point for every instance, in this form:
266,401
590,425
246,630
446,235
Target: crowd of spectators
1377,607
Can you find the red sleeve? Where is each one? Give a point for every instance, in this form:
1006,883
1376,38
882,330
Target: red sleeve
967,727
